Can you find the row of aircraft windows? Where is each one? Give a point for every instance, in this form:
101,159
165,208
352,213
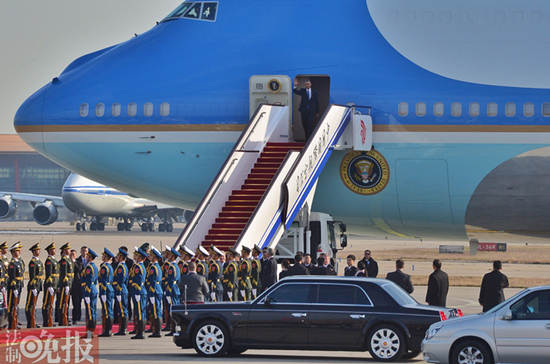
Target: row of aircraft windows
132,109
474,109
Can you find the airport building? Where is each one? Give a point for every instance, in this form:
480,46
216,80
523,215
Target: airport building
22,169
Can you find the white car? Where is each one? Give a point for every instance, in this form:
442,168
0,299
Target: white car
515,331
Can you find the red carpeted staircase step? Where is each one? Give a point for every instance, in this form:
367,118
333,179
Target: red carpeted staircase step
261,175
235,215
256,180
238,208
240,203
247,187
228,225
232,220
222,237
225,231
247,192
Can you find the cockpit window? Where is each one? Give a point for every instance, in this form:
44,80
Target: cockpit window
196,10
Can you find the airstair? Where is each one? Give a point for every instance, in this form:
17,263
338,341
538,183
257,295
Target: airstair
265,181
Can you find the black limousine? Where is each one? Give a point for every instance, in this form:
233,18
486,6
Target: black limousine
312,313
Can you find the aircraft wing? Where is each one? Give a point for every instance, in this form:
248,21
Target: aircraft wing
33,198
158,209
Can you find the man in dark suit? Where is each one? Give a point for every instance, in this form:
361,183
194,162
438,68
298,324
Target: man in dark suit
309,106
194,285
403,280
76,289
298,269
438,286
350,270
371,266
269,269
491,292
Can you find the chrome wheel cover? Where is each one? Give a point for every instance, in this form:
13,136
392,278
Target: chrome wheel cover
210,339
470,355
385,343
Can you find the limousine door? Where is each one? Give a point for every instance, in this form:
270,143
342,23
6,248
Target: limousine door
339,316
281,319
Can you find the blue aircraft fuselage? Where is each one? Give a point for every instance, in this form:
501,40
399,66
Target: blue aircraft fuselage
453,163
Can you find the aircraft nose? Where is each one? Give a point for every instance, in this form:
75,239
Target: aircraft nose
29,120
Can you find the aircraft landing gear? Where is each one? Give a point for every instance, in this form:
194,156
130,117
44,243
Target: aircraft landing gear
166,227
80,226
147,226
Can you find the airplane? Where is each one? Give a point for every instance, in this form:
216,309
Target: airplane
457,91
93,201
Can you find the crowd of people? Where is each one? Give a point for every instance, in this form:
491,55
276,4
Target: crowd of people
144,287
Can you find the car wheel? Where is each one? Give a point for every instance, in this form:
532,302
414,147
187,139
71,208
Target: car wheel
210,338
471,352
386,343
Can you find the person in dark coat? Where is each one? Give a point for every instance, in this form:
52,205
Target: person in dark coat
309,106
371,265
361,269
320,269
298,269
269,269
350,270
76,287
286,269
403,280
492,286
438,286
194,285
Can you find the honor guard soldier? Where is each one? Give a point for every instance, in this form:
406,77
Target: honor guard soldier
172,291
120,285
255,271
34,287
186,256
200,261
106,293
154,291
215,274
89,291
51,279
4,262
66,275
15,283
165,266
139,294
147,249
245,268
230,279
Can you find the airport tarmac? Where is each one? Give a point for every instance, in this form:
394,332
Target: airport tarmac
122,349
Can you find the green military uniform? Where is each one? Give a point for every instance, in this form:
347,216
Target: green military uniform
51,278
15,285
255,270
245,287
34,287
4,262
230,282
66,276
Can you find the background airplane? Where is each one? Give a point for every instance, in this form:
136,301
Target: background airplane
93,202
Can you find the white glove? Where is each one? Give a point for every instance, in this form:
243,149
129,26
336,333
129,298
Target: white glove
254,291
67,290
104,298
213,296
50,289
138,297
87,299
152,299
243,293
119,298
16,293
230,294
169,299
34,292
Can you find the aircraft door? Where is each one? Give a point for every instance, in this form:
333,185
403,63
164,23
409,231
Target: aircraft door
270,89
